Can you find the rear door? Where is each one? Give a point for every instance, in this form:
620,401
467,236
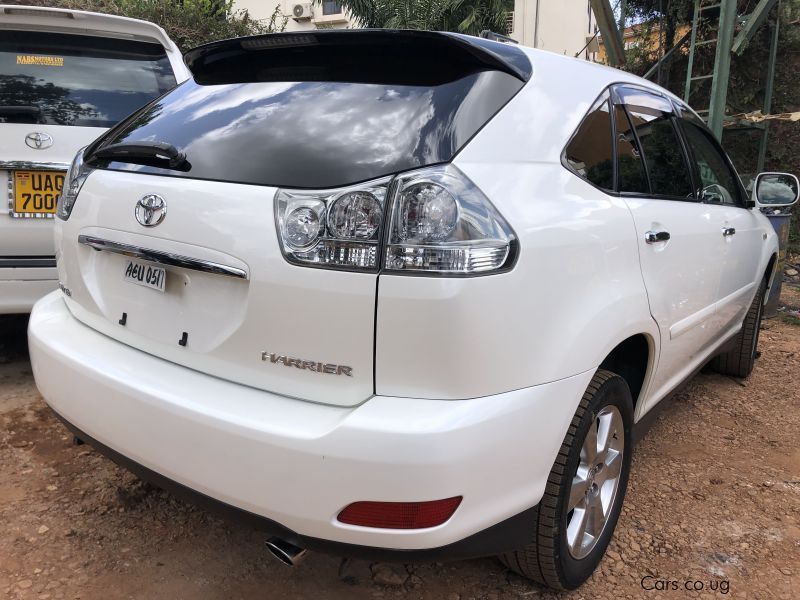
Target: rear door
58,93
719,186
680,238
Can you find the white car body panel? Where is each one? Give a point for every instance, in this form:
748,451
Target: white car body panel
300,463
33,237
476,379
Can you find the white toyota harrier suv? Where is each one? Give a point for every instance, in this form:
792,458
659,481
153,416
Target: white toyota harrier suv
65,77
404,295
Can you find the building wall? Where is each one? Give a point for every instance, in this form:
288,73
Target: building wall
560,26
262,9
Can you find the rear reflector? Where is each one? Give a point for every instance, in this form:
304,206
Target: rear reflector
400,515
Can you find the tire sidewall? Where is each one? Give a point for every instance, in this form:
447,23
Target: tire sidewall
614,392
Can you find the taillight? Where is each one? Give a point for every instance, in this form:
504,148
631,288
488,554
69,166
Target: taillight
332,228
440,223
399,515
73,182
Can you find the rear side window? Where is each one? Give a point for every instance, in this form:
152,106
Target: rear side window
630,168
62,79
718,183
590,152
651,116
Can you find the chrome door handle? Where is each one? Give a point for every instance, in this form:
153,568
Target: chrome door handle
726,231
653,237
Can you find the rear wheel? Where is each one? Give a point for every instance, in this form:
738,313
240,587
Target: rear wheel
739,361
576,517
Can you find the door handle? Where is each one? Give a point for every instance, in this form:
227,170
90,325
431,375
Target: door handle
726,231
653,237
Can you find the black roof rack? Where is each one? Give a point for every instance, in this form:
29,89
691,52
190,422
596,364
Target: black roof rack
361,55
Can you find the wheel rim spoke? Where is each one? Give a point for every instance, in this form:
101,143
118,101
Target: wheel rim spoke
589,450
576,531
595,518
577,493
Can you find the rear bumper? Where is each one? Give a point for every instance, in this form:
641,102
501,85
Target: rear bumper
290,466
21,287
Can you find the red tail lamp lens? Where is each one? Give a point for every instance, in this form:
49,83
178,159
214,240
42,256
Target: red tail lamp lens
400,515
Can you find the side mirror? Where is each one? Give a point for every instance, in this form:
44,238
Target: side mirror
776,190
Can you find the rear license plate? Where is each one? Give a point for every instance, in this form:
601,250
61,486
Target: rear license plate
146,275
36,192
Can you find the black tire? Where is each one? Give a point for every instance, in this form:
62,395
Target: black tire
740,360
548,559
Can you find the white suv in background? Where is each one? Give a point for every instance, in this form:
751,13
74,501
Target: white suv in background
401,295
65,77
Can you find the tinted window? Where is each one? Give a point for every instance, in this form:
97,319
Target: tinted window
651,116
77,80
590,152
630,169
315,134
718,184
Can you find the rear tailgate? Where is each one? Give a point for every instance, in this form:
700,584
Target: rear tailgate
297,314
322,112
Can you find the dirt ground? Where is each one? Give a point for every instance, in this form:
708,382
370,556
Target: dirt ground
713,505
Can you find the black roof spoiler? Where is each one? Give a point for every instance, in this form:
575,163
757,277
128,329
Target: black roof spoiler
361,55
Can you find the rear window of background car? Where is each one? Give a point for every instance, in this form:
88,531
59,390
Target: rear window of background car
88,81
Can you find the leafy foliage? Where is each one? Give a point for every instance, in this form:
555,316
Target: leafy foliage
464,16
188,22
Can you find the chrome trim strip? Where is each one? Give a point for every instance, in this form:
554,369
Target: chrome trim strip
25,262
28,165
163,258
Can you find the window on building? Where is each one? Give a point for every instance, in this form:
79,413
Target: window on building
331,7
651,116
590,152
718,183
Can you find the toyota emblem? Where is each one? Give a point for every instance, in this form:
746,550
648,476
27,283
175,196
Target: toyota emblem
151,210
38,141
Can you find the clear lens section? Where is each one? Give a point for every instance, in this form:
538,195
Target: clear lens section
303,227
73,182
427,212
355,216
336,228
442,223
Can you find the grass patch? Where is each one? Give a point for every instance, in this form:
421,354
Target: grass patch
790,319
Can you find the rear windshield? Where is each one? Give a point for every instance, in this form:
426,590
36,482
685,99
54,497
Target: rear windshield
315,134
61,79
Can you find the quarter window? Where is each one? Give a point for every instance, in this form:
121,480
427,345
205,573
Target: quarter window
661,147
717,181
589,152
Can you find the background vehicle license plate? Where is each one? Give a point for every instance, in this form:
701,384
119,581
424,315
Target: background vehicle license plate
36,192
145,275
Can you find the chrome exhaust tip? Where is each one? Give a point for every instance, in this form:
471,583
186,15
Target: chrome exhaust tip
287,553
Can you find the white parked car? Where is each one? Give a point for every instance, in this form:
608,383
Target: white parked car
66,76
403,295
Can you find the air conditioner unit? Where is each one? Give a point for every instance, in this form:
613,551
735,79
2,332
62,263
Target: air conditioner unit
302,12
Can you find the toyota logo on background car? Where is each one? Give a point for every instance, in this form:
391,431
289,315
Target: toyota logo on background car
39,141
151,210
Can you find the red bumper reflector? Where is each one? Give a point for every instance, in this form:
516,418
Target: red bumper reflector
400,515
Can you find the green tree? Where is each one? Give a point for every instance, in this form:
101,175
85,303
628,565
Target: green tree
188,22
463,16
